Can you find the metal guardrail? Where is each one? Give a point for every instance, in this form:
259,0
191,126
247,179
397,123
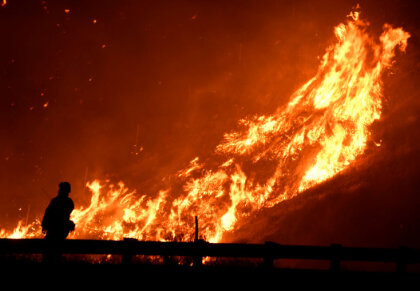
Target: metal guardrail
269,251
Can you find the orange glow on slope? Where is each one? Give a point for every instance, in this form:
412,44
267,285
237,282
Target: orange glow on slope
321,131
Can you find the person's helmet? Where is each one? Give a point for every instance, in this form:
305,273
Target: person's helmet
64,188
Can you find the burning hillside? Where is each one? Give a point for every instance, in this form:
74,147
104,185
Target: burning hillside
322,131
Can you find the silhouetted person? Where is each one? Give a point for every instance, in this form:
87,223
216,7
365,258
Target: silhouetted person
56,222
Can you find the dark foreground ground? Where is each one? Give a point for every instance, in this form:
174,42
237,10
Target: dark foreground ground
138,276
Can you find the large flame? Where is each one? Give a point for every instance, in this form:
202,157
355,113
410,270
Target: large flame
321,131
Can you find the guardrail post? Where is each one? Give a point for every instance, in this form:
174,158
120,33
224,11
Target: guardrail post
401,262
197,260
268,256
127,257
335,258
53,252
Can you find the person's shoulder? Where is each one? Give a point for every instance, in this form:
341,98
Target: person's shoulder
61,199
70,201
55,199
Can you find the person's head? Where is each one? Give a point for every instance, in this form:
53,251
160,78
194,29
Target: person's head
64,189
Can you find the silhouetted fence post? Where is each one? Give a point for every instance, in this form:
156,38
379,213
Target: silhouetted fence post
335,258
127,256
402,257
268,256
53,252
197,260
